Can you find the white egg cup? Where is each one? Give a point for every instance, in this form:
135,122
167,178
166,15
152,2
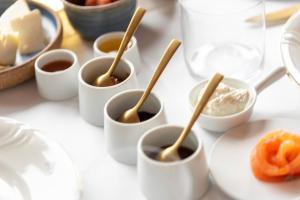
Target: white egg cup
132,53
224,123
183,179
59,85
122,138
91,98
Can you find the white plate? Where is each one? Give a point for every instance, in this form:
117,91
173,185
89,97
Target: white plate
290,47
33,167
230,163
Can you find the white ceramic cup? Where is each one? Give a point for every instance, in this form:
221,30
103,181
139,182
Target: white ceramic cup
91,98
183,179
59,85
121,138
132,53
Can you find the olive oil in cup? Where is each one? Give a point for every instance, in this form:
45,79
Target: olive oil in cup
108,44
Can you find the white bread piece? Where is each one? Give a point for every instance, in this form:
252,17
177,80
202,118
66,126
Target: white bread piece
8,49
17,9
30,32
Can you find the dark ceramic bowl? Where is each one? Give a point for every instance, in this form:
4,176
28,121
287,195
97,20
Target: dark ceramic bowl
93,21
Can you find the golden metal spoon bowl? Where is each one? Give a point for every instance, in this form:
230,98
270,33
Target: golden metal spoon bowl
106,79
131,115
171,153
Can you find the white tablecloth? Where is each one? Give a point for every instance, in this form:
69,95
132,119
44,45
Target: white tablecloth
102,177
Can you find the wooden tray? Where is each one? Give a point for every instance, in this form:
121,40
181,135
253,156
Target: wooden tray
24,70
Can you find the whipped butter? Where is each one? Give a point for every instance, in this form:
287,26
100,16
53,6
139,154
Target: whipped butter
227,101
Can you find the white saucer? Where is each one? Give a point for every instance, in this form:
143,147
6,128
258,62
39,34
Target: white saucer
33,167
230,163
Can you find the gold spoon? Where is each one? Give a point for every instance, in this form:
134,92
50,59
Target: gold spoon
171,153
105,79
131,115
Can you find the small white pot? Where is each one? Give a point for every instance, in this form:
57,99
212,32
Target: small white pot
121,138
132,53
183,179
91,98
59,85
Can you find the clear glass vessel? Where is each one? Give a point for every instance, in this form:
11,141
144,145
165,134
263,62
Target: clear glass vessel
222,36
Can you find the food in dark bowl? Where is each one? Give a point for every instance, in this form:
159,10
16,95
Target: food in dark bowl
91,2
93,21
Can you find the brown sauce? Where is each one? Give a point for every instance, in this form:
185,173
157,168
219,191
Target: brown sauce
183,152
55,66
143,115
114,80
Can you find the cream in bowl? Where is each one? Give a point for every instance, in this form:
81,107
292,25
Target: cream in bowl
227,100
232,103
108,44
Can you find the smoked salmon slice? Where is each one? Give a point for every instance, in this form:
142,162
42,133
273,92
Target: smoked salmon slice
276,157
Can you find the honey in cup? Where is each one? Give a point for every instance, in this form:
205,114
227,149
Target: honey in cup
183,152
112,45
56,66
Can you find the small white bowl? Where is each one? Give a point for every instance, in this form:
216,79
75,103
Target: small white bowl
91,98
121,138
183,179
59,85
132,53
224,123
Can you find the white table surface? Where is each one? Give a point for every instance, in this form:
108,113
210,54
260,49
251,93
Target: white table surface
102,177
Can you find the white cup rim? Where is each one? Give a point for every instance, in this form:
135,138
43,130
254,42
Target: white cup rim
159,113
113,34
127,62
49,54
168,164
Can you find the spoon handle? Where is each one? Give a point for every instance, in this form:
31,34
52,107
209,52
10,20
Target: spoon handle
272,77
134,23
168,54
205,96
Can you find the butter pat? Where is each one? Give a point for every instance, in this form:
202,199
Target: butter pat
227,101
18,9
8,49
30,32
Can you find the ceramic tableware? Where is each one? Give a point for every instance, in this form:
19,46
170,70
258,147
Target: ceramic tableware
92,21
33,167
229,162
131,53
224,123
91,98
122,138
171,153
183,179
290,46
59,85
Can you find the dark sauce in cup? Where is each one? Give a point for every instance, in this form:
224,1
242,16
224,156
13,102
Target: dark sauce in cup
183,152
144,116
58,65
